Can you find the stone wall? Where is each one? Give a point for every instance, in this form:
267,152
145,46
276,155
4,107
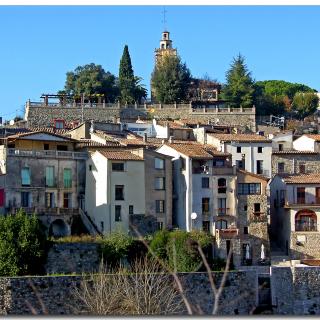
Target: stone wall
54,295
293,161
72,258
295,291
44,116
304,245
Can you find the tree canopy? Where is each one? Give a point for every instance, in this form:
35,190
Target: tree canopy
305,103
130,88
22,244
239,90
170,80
91,79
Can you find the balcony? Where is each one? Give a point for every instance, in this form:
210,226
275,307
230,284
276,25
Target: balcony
305,226
302,204
227,233
225,212
214,170
46,154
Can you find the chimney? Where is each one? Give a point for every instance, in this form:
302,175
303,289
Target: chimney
145,137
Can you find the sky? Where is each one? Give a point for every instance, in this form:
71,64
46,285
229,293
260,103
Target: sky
39,44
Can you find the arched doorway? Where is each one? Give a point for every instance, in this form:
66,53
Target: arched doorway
59,228
306,220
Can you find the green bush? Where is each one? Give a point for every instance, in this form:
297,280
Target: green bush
179,249
115,247
22,245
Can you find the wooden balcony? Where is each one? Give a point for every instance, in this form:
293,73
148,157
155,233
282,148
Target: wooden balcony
227,233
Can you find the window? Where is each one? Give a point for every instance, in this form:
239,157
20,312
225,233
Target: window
158,163
245,208
49,176
159,183
117,216
46,146
281,167
25,199
221,224
259,166
245,230
160,225
302,168
205,205
260,149
25,177
222,204
119,194
62,147
222,185
67,182
280,147
218,162
238,149
117,166
159,206
256,207
249,188
206,226
131,209
205,182
301,195
67,200
240,164
90,167
102,226
59,124
49,200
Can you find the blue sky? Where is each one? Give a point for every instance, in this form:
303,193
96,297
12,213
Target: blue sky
40,44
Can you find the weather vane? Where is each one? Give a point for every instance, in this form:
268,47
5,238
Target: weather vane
164,21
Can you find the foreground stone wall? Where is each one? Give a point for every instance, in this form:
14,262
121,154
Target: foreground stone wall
295,291
44,116
72,258
304,245
54,295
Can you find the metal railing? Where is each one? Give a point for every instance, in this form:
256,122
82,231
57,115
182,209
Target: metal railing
224,212
46,154
306,226
213,170
42,210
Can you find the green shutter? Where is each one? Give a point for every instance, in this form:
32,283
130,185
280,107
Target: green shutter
25,177
67,178
49,176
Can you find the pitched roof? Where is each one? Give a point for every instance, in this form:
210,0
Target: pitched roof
120,155
258,176
25,134
196,151
313,178
91,143
171,124
228,137
315,137
294,152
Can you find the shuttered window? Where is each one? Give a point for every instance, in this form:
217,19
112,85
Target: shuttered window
25,177
67,182
49,176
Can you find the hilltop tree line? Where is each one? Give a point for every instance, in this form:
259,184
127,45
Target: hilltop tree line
171,79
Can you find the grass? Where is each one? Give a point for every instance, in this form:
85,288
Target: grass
85,238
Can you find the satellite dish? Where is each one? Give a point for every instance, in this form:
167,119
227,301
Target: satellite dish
193,216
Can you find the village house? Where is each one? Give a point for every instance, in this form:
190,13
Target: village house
282,141
295,214
250,152
43,174
307,142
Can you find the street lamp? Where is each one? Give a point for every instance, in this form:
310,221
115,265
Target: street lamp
193,217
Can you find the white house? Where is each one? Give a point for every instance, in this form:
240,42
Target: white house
250,152
307,142
115,189
282,140
204,183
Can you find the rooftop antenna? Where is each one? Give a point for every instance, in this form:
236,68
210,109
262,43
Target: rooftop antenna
164,21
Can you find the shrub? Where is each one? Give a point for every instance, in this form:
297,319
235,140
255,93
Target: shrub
159,243
22,245
115,247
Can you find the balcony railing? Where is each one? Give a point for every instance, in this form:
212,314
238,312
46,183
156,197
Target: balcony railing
301,204
46,154
41,210
227,233
214,170
224,212
305,226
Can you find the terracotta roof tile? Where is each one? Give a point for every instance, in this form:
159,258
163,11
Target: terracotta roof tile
172,124
239,137
24,134
120,155
313,178
258,176
316,137
196,151
294,152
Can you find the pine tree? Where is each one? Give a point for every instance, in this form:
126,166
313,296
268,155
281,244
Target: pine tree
239,89
127,81
170,80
